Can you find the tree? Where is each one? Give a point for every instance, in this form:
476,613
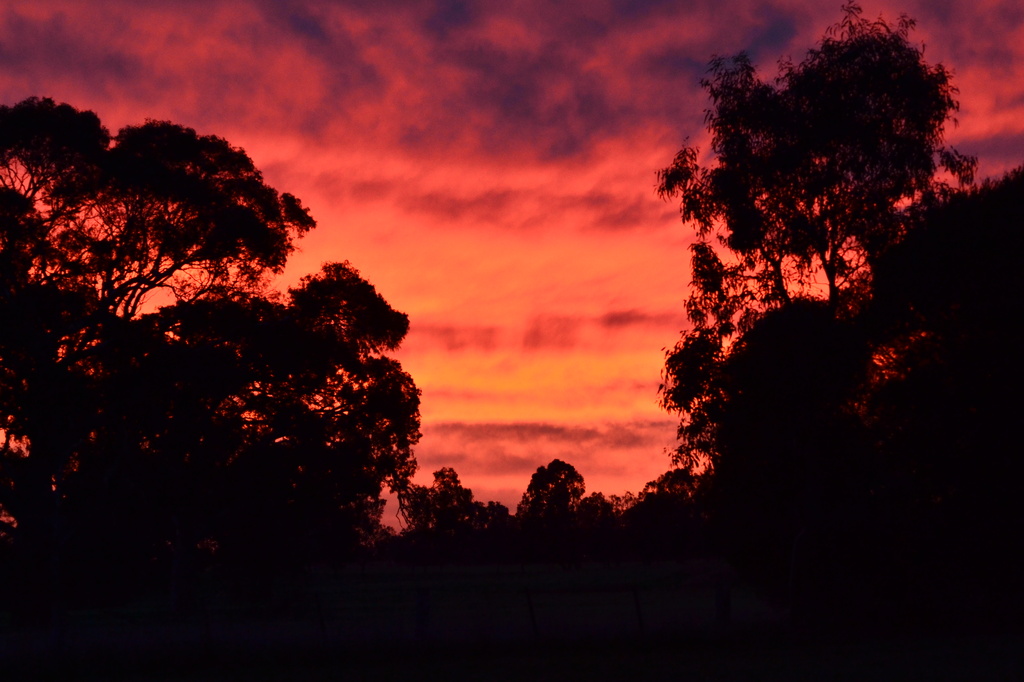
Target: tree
599,528
815,176
444,523
446,508
942,404
141,345
547,512
666,520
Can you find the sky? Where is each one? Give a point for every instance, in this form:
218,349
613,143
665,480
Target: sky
490,167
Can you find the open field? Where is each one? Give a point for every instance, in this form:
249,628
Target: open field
628,621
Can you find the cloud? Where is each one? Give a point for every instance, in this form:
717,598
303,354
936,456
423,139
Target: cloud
551,332
488,206
542,333
528,208
612,435
455,338
36,50
617,319
996,153
564,332
494,461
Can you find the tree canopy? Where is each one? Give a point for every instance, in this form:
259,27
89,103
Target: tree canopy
813,177
552,497
844,388
142,347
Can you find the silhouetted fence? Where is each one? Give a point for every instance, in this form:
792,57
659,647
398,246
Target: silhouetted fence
428,605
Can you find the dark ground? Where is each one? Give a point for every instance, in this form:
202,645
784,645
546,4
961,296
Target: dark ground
599,622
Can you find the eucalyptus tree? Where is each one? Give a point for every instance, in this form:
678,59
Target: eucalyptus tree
141,343
812,177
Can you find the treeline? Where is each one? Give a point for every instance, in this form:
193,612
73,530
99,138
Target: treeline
556,521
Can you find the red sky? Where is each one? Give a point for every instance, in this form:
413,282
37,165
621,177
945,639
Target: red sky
489,166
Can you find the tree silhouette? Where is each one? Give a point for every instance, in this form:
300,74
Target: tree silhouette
818,352
553,495
140,345
667,518
815,176
547,513
443,523
445,508
942,405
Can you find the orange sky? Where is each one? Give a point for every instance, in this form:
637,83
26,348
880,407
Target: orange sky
489,167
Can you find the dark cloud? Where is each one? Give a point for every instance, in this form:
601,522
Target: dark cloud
299,20
454,338
621,212
523,209
49,50
616,435
641,9
487,207
542,333
449,16
492,459
542,101
551,333
617,319
996,153
201,70
678,64
766,40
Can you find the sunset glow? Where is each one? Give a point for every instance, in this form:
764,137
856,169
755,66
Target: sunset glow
490,168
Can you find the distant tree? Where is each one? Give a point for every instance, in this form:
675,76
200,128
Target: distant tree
596,512
492,516
553,496
147,371
443,523
677,483
547,514
599,530
445,508
816,175
666,520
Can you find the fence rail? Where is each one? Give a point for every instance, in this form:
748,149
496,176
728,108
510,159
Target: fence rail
429,605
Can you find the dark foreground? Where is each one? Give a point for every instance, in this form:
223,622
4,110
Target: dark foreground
633,621
767,657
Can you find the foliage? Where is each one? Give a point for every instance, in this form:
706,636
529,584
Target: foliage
844,386
943,377
815,176
552,498
146,365
446,507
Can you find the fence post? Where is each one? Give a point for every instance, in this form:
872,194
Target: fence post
639,611
533,614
